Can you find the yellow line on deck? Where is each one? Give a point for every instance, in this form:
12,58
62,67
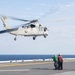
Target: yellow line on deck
22,64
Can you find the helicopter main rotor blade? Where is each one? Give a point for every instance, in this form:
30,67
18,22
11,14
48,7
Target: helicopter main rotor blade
33,21
26,24
14,18
21,25
18,19
30,21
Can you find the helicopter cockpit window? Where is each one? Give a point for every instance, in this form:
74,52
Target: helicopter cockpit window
32,25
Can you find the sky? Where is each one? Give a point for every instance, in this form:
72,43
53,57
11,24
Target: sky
57,15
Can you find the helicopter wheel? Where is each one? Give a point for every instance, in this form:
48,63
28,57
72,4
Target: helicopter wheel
44,36
34,38
15,38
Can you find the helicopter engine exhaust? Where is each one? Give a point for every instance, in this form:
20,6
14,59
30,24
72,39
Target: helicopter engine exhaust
46,32
45,28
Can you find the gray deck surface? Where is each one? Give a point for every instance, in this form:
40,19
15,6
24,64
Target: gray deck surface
36,68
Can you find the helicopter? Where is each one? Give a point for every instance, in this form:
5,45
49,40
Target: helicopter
32,28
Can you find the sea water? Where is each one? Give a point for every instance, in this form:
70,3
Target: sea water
29,57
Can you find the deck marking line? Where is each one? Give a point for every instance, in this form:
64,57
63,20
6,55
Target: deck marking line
14,70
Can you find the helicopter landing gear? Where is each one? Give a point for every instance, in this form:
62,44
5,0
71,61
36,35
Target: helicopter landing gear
34,38
44,36
15,39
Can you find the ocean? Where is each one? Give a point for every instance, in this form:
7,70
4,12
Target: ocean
29,57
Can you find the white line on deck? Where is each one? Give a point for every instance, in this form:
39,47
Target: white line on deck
14,70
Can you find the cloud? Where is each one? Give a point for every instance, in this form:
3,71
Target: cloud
71,5
57,20
42,4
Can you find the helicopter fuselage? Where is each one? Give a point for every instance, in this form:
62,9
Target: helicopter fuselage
28,31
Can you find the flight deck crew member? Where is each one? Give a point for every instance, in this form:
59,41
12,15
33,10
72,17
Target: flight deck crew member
60,62
55,59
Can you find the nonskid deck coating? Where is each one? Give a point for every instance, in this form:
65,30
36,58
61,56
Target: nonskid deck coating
36,68
66,73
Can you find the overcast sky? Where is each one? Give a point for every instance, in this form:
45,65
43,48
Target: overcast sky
57,15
